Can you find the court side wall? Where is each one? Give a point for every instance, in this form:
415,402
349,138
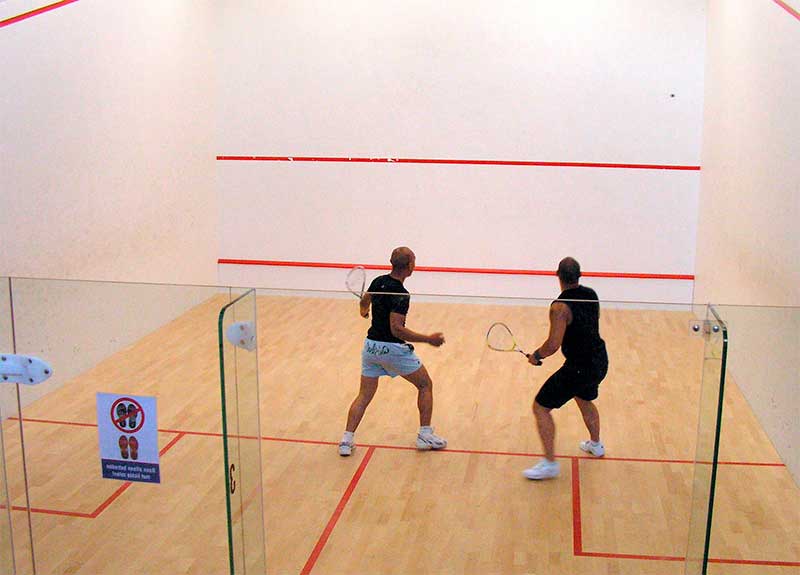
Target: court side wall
748,246
107,141
594,82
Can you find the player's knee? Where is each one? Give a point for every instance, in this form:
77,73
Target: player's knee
425,384
538,408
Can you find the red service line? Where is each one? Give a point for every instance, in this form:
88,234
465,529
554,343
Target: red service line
788,8
577,533
334,265
326,533
32,13
113,497
455,162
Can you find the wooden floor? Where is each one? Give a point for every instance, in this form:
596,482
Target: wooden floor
390,509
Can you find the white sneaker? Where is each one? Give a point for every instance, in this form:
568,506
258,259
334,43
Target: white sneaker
543,470
429,440
596,449
346,449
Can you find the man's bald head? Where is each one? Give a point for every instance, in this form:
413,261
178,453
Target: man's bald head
402,259
569,270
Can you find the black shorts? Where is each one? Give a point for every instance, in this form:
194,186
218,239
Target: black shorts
572,381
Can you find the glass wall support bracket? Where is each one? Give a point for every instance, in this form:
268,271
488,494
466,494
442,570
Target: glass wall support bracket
23,369
704,328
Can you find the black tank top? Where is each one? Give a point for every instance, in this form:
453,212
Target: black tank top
582,344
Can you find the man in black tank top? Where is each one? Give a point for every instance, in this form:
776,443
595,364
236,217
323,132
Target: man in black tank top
386,352
575,328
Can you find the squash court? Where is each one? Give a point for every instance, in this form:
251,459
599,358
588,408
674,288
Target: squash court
390,508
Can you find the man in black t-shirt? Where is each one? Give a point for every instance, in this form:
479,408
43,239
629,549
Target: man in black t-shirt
386,352
574,327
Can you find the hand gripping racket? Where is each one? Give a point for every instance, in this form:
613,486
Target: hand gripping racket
500,338
356,281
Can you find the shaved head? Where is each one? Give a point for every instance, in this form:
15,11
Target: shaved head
401,259
569,270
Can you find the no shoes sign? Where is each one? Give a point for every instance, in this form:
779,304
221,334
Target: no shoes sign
126,426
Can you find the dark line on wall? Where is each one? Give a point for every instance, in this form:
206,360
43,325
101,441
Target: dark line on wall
788,8
334,265
32,13
455,162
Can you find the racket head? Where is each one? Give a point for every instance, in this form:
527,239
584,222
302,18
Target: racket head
356,281
500,338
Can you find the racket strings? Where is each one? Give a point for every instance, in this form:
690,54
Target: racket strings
500,338
356,281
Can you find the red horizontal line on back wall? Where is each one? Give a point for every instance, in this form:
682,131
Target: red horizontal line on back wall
32,13
619,275
454,162
788,8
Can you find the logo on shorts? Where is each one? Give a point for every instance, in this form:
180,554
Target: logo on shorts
376,349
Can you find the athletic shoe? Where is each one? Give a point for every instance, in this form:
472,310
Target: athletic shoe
346,449
429,440
595,449
543,470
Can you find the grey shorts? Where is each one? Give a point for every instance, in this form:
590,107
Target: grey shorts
383,358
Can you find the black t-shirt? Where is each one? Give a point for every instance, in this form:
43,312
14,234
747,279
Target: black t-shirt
383,305
582,344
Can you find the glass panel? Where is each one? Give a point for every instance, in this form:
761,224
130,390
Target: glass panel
7,406
122,443
386,499
714,332
241,431
761,429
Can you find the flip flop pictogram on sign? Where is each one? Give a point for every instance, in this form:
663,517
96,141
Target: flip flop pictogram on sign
128,437
127,415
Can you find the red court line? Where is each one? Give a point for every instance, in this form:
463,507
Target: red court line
756,562
788,8
577,534
32,13
326,533
333,265
113,497
53,512
631,556
410,448
362,160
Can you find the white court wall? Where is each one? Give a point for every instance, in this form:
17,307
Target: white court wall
748,242
748,246
599,82
107,141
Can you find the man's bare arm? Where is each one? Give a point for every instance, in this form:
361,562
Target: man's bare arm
399,330
364,304
560,316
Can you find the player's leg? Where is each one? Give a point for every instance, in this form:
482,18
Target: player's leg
426,438
556,391
591,416
547,429
366,391
422,381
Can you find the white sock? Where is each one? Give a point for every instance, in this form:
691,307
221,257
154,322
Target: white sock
348,437
425,429
594,443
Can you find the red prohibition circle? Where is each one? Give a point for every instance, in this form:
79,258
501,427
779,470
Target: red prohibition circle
119,421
